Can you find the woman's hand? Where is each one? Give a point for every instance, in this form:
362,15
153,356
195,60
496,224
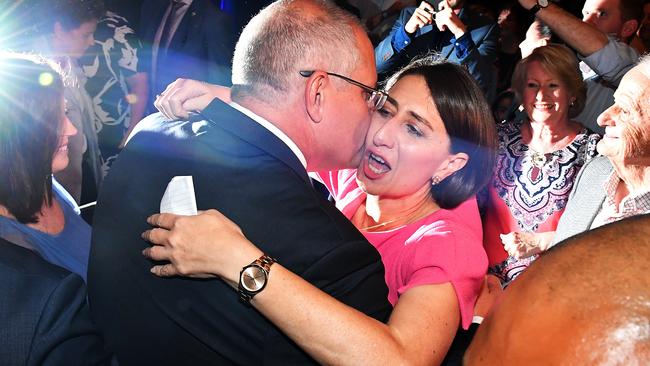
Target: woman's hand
205,245
184,96
522,245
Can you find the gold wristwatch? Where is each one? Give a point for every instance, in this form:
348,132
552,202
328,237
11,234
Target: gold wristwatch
253,278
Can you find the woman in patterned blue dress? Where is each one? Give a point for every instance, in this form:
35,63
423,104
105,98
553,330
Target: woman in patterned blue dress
539,158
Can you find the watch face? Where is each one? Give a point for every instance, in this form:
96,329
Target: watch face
253,278
542,3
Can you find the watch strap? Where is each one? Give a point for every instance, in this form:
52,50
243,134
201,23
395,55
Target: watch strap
535,9
264,262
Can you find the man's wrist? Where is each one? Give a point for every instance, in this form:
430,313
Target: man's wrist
538,6
459,31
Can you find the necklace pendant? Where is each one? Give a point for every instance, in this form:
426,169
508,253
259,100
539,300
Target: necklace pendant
534,173
538,159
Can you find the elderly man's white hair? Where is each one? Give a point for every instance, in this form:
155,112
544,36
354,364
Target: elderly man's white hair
644,65
289,36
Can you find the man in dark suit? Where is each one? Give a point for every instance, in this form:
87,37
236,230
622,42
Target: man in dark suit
248,159
44,317
188,39
448,28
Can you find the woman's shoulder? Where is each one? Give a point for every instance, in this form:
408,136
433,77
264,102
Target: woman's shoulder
449,250
458,230
509,134
509,128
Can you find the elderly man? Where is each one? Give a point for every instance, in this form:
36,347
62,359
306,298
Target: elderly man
568,309
302,96
601,42
616,185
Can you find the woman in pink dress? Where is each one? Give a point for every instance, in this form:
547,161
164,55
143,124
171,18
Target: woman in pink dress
429,149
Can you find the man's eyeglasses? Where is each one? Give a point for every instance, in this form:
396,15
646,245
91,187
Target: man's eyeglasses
376,98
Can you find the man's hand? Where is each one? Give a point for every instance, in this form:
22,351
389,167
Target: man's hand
184,96
422,16
446,18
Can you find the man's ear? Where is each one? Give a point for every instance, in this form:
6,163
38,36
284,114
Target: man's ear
315,96
629,28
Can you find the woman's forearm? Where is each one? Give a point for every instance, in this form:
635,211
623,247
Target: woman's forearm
334,333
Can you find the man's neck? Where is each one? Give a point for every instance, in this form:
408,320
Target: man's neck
286,118
635,179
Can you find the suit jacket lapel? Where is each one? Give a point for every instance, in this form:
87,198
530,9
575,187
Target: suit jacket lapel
190,20
149,24
225,117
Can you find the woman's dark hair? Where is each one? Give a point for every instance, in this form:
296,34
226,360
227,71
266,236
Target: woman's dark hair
30,117
468,121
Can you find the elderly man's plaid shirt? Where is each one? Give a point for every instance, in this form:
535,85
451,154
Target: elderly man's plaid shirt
630,206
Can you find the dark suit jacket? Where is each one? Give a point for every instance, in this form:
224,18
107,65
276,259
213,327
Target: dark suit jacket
44,317
202,46
247,173
479,61
586,199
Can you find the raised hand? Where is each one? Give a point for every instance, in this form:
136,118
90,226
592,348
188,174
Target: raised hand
423,15
446,18
184,96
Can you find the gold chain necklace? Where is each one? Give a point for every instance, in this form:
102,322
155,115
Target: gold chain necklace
382,224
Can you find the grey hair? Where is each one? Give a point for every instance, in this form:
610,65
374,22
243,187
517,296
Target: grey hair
644,65
285,38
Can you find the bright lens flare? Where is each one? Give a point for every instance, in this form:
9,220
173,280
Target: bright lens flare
45,78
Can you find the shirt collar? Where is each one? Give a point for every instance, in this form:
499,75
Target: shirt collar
631,203
274,130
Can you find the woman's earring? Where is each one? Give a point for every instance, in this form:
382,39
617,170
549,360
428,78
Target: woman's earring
435,180
573,102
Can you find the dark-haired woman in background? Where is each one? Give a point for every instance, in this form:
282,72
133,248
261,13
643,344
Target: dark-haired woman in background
429,149
35,211
538,160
